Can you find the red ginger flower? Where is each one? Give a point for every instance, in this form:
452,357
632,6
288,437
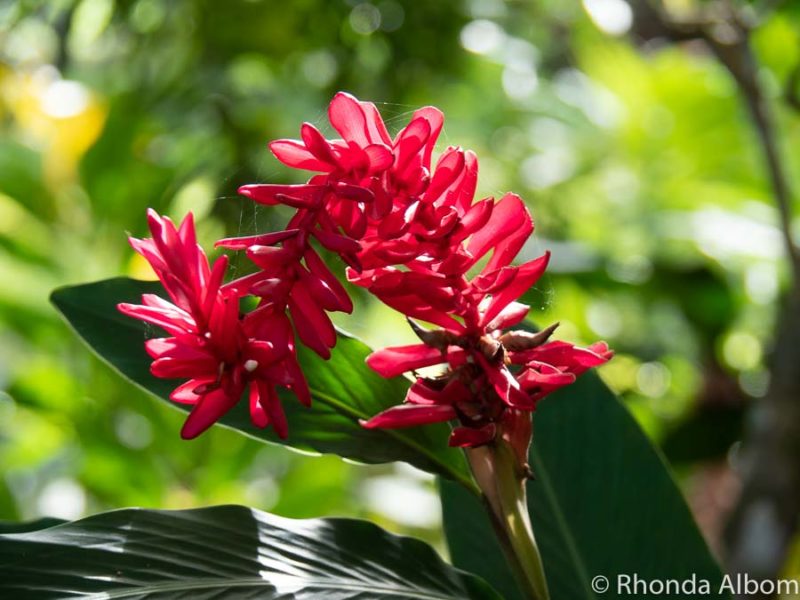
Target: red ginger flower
410,234
434,222
479,388
292,276
437,290
366,152
364,175
220,353
411,237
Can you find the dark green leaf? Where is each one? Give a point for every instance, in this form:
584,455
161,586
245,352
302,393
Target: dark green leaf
344,389
602,503
225,552
472,543
36,525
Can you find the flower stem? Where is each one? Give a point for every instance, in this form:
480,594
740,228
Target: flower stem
502,483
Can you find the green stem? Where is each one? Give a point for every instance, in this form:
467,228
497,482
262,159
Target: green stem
502,483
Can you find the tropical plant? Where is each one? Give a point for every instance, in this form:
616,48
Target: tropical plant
259,353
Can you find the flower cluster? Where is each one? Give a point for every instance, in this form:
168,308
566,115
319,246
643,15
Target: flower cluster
220,352
410,233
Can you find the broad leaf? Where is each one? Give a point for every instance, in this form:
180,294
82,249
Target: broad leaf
227,552
343,389
35,525
603,503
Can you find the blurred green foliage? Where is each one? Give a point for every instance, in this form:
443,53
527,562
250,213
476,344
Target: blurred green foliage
638,162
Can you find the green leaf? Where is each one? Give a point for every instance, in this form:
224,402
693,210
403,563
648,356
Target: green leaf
343,389
603,503
35,525
225,552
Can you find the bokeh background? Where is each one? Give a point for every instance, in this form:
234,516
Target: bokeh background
635,152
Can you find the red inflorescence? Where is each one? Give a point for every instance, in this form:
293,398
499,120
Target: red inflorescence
412,235
220,352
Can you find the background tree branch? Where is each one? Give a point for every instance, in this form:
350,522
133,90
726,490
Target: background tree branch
765,519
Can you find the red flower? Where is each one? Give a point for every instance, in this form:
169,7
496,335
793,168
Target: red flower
412,235
364,176
433,223
364,150
478,387
294,277
436,289
481,387
364,173
220,353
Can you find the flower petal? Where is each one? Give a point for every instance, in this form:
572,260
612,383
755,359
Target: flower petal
336,243
380,157
448,171
435,119
186,392
348,118
511,315
258,415
272,404
410,415
265,239
317,145
424,392
294,154
208,410
170,321
409,142
175,368
177,348
298,196
311,322
376,129
526,276
318,267
504,384
506,231
391,362
468,437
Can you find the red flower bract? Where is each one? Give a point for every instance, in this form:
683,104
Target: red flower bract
414,236
220,352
